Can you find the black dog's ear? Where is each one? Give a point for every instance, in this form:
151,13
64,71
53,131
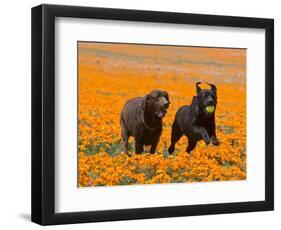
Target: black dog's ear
213,88
145,99
198,89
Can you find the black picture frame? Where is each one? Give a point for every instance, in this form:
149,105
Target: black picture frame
43,114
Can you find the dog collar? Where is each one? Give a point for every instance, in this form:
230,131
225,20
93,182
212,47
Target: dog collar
194,103
196,106
146,126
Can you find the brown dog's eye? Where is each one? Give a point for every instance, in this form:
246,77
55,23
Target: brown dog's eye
161,99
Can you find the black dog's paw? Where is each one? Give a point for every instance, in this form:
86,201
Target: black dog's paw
207,141
171,149
215,141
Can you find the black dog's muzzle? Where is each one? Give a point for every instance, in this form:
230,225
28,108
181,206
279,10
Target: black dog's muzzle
210,101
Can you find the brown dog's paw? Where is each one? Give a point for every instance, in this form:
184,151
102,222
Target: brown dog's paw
214,141
128,154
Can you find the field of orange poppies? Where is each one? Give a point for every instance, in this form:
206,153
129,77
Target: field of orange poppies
110,74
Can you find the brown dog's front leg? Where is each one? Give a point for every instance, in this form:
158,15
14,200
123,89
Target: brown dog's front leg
138,147
153,149
154,146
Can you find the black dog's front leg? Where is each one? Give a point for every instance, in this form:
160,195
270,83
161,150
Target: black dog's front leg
191,146
203,132
212,134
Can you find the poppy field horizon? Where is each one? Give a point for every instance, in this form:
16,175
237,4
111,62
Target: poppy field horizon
109,74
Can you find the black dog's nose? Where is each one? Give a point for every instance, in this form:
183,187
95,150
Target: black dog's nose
210,101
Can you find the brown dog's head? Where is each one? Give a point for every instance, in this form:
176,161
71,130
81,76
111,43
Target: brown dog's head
156,103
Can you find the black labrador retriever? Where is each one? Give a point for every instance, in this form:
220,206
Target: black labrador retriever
196,121
141,118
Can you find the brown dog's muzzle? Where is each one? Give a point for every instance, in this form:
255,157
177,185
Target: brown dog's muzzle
163,106
164,102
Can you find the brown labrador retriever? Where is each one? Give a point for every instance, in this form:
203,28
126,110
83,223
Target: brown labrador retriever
141,118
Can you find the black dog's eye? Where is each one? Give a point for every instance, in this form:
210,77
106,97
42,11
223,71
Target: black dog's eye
205,95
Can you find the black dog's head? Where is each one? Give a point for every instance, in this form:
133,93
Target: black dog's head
207,99
156,103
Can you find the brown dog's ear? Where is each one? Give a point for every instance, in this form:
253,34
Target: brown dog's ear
213,88
167,96
145,99
198,89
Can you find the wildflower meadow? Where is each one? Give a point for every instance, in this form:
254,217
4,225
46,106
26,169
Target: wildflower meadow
109,74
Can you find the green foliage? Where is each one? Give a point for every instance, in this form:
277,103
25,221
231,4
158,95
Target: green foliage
149,171
177,181
234,143
113,149
94,149
225,129
165,153
126,180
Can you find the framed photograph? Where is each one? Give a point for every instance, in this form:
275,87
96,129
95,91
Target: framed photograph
141,114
